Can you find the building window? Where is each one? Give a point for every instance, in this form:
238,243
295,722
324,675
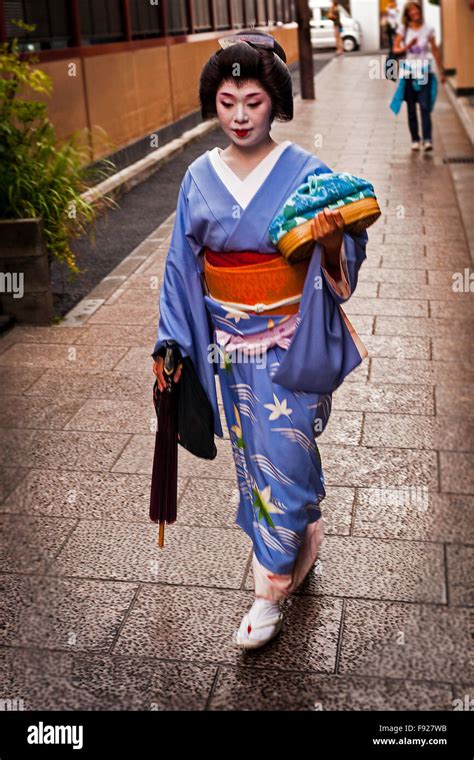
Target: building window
145,19
101,22
222,14
202,16
261,14
250,9
237,14
51,17
177,17
279,11
271,12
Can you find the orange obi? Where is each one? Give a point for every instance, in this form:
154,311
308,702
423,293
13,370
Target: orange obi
256,284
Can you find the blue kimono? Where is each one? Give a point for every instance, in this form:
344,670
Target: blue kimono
273,412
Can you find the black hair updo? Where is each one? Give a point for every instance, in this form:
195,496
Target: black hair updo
265,65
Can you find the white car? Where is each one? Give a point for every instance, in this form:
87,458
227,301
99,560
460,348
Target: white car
322,28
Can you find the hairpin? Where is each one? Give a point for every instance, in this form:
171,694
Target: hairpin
259,40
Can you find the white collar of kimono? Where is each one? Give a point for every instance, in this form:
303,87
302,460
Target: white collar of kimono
243,190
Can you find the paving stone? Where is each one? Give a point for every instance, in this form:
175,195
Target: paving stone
365,290
413,513
92,495
61,450
388,307
15,380
456,472
418,432
194,556
31,542
197,625
125,314
240,688
422,327
55,355
337,508
97,385
417,290
135,358
445,350
137,457
435,259
416,371
396,346
146,297
460,575
32,412
47,334
459,308
455,400
376,569
350,466
209,502
119,335
62,681
106,416
55,613
384,397
342,427
401,640
9,479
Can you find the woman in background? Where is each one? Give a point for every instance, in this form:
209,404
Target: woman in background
334,15
418,83
391,21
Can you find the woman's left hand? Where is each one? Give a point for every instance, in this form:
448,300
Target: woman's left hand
328,230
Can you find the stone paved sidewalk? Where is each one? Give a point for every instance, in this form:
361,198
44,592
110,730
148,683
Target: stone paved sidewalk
96,617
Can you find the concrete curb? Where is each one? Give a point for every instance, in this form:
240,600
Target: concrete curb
459,106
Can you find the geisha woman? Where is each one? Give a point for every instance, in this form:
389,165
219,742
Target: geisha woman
272,331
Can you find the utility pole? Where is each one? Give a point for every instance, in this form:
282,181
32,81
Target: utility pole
303,17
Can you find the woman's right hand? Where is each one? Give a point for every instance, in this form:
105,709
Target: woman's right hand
158,372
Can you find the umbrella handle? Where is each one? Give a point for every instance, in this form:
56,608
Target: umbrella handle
161,535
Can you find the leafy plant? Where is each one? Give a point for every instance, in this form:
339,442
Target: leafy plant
41,176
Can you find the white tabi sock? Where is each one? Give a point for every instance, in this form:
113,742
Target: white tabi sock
262,609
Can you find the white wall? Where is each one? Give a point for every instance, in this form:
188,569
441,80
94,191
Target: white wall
366,12
432,16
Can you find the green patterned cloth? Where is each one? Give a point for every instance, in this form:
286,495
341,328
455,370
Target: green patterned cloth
331,190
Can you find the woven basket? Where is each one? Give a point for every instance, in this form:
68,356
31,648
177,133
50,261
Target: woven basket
299,242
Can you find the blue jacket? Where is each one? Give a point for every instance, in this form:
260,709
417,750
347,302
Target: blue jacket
399,95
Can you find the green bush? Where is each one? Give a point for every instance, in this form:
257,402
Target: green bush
39,176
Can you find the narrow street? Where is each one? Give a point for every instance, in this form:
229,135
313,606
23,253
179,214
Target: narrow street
100,619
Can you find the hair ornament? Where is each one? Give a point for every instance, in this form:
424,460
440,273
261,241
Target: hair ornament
259,40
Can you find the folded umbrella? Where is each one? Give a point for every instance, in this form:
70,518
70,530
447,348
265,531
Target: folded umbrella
164,479
291,231
185,416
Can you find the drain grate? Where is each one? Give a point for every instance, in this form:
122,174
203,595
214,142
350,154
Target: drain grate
459,160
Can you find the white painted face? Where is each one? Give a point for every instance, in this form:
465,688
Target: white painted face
244,112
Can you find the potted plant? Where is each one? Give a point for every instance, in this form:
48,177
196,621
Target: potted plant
41,190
